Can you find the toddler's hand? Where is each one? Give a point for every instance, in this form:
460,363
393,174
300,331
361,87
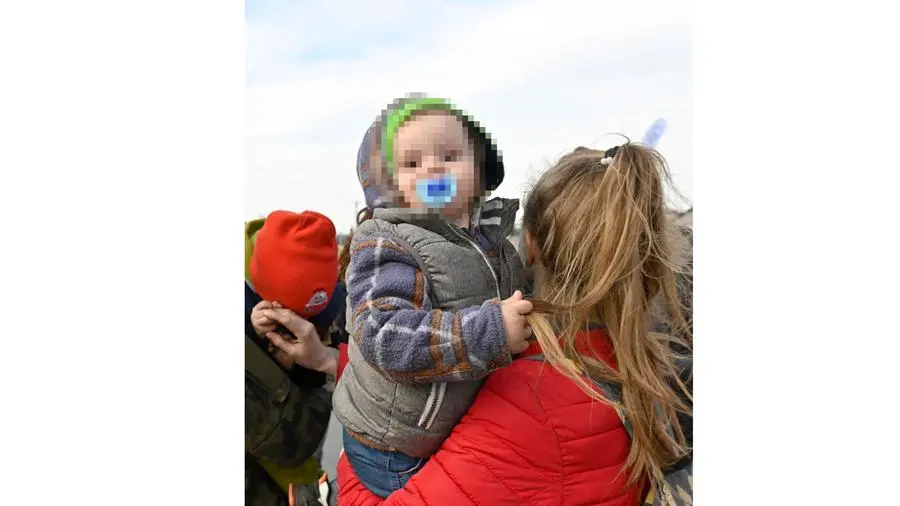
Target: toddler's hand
514,310
262,324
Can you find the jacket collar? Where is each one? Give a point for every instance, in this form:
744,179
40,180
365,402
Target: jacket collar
495,219
591,343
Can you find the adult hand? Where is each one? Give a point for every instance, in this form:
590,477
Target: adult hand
262,324
283,359
306,348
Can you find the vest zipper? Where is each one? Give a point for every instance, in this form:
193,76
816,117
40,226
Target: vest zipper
432,405
438,390
483,257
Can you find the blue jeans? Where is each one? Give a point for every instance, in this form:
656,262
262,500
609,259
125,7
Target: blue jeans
380,471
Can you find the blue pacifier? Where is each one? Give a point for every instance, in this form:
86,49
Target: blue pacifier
437,192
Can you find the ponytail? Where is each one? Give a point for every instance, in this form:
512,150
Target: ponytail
609,251
344,258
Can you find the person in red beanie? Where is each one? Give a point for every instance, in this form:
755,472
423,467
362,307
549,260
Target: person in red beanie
294,266
290,267
309,243
295,261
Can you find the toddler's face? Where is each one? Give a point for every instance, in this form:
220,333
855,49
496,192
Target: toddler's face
435,163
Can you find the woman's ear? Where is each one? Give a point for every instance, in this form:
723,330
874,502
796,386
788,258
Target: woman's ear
532,250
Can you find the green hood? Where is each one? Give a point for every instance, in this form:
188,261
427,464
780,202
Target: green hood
251,228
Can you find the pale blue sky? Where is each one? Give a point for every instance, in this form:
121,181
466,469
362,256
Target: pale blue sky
542,76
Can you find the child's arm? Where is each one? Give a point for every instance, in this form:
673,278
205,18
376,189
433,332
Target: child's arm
399,332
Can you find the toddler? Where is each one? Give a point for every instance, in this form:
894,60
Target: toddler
433,287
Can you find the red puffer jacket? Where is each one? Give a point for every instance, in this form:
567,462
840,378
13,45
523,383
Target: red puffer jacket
531,437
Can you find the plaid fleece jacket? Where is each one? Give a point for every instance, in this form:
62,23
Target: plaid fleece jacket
401,333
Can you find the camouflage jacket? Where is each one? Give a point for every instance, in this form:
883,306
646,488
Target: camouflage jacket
261,490
684,283
283,423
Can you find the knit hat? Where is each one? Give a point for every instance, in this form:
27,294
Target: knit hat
376,174
295,261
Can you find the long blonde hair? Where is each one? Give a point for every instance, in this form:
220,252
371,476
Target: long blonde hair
610,252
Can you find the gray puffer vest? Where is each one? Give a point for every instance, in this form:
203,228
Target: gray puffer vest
415,419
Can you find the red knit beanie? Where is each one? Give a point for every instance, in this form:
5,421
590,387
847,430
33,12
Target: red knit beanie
295,261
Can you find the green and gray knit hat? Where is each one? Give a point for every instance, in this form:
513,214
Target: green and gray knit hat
374,162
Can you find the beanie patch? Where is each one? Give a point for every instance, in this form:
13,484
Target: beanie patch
317,302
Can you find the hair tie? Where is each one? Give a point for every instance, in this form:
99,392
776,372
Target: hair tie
608,155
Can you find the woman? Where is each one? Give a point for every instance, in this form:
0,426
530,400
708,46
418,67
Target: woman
605,260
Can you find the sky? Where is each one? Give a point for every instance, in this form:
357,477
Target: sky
542,76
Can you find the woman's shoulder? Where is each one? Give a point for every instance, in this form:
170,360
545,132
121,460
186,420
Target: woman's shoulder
535,386
524,395
514,384
540,391
530,424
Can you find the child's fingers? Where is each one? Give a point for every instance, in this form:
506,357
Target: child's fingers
514,298
518,347
524,306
